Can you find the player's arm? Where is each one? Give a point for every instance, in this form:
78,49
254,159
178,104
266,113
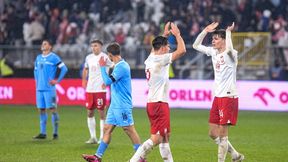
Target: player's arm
228,41
35,70
181,49
108,79
84,77
63,70
85,73
165,33
197,45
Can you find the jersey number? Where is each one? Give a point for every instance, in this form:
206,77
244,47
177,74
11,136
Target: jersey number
148,74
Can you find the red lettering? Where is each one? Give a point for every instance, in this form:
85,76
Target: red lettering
190,97
207,95
173,94
284,97
198,95
182,95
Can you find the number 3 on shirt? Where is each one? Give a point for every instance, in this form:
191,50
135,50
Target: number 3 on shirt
148,74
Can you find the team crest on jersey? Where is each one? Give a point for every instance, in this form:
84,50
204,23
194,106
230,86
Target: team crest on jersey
222,61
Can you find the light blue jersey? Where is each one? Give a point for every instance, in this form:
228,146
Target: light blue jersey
120,110
45,68
44,71
120,86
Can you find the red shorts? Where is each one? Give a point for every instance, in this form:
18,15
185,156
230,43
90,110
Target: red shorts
159,116
224,111
95,100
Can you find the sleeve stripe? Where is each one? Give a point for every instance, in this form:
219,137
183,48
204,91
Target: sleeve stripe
112,78
60,64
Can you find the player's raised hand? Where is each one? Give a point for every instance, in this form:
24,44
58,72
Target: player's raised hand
102,61
211,27
166,29
230,28
174,29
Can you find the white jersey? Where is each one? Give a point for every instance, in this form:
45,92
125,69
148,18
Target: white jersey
224,65
95,80
157,73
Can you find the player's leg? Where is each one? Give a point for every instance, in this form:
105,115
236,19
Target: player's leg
55,122
156,114
111,122
42,115
223,145
164,146
101,105
133,135
50,99
214,119
165,150
146,147
232,111
214,132
91,122
228,116
125,120
108,129
102,121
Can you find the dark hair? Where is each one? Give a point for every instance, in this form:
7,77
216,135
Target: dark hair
96,41
49,41
113,48
220,32
158,42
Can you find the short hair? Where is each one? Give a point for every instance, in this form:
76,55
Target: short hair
96,41
220,32
113,48
48,40
159,41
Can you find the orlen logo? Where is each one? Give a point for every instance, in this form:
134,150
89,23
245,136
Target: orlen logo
6,92
264,94
72,93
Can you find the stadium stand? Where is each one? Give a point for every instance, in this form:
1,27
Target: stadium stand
134,23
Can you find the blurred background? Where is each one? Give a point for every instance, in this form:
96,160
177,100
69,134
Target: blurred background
261,34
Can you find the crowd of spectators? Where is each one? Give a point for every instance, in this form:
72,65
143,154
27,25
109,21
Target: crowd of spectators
67,22
132,23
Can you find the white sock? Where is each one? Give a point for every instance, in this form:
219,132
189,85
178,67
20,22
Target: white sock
217,140
232,150
91,125
165,152
101,129
142,151
222,149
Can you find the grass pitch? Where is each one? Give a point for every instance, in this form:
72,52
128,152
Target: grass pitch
260,136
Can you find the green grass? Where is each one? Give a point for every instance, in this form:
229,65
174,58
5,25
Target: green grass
260,136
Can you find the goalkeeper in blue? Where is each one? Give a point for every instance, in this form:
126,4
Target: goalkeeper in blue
120,110
45,68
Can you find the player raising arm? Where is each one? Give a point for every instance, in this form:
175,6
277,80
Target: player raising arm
157,73
120,109
224,111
